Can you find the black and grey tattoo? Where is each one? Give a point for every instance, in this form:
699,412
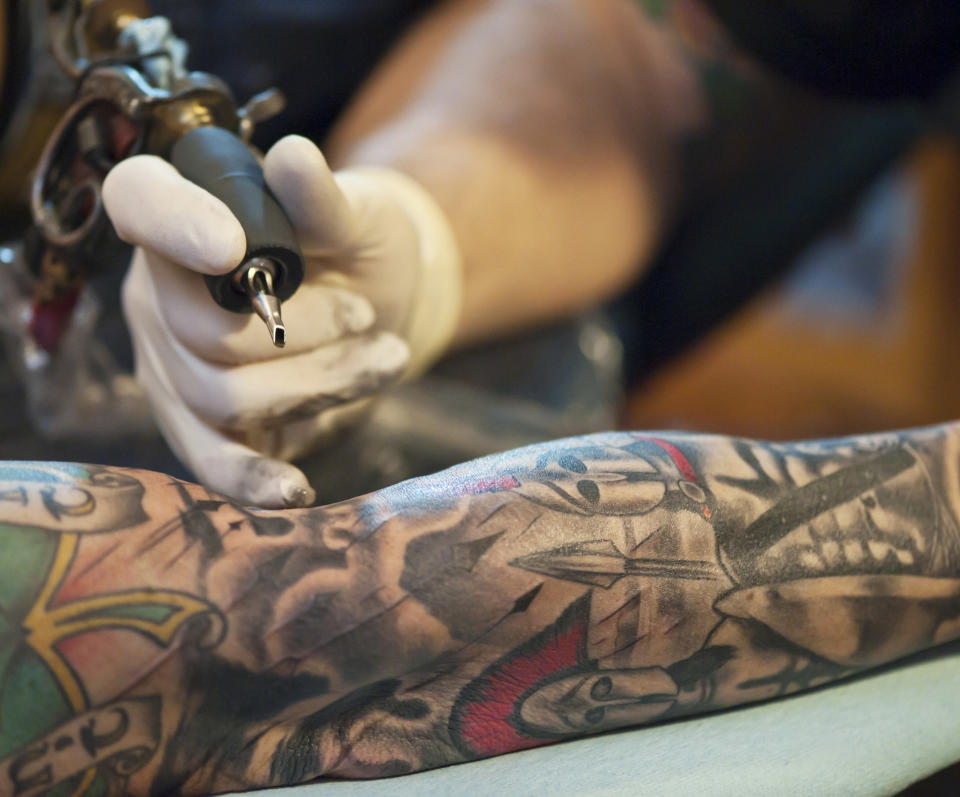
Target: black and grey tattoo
175,642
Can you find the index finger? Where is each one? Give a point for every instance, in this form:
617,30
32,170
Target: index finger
152,205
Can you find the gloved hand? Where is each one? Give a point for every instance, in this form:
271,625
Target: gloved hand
380,299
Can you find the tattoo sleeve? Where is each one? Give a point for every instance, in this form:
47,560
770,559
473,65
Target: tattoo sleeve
157,639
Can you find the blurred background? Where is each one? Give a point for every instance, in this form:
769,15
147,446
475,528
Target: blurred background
859,335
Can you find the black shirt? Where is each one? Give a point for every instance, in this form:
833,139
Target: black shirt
865,48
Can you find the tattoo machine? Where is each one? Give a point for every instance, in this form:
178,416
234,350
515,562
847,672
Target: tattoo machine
133,96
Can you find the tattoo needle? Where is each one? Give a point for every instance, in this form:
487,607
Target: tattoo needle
257,281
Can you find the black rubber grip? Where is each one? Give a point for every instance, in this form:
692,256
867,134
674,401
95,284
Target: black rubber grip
218,161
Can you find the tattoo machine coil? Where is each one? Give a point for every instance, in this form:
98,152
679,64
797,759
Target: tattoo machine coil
133,96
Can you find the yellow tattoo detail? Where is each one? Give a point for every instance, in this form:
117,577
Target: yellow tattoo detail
46,626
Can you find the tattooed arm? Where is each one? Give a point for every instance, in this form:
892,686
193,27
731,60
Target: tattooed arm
155,638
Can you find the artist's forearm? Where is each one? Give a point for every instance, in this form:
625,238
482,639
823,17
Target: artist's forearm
562,136
547,131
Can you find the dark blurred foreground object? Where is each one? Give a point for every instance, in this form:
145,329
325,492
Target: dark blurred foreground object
945,783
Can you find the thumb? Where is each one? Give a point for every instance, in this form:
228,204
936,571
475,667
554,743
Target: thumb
153,206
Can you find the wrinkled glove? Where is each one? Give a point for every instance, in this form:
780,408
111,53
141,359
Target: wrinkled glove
380,299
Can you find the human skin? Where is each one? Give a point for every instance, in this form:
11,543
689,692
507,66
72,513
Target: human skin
157,639
561,137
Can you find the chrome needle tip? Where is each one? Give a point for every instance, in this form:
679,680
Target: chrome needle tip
258,282
267,306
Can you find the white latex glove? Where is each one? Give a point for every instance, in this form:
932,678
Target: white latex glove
380,299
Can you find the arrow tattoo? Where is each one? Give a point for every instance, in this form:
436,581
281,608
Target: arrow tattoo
600,564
